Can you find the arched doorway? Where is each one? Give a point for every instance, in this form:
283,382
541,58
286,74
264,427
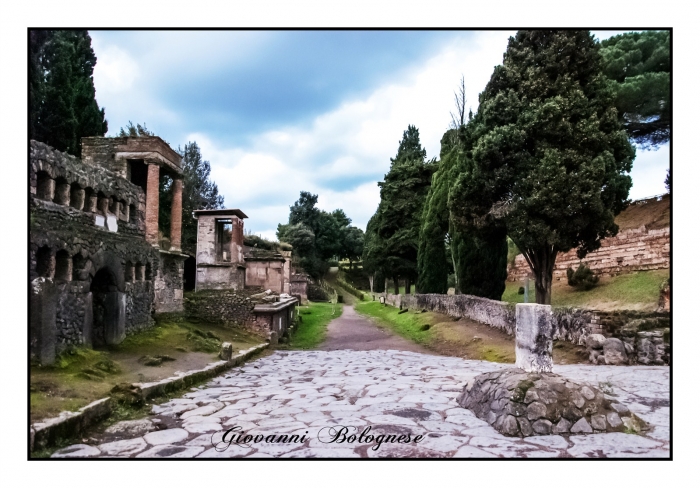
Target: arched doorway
108,309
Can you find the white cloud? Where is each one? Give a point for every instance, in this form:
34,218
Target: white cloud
116,72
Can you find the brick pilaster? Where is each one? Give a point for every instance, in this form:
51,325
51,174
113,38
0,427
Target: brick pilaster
152,183
176,216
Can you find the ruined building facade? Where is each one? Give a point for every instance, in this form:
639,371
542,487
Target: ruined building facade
225,263
98,270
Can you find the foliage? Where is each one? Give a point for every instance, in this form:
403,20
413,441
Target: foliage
318,236
583,278
481,256
639,67
62,101
311,330
548,156
667,180
395,226
252,240
513,251
137,130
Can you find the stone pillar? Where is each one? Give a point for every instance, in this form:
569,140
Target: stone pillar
62,194
533,337
91,203
77,198
176,216
152,183
42,320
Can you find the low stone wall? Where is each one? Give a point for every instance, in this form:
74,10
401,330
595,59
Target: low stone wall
500,315
231,307
574,325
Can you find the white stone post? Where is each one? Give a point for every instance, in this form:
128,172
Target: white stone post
533,337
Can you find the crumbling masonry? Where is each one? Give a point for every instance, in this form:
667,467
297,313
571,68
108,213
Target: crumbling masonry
97,269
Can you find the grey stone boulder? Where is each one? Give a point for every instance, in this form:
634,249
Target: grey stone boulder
521,404
595,341
614,352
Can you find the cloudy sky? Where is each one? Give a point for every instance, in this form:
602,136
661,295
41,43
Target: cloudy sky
278,112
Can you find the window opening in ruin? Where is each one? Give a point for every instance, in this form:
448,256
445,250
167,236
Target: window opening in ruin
140,272
149,272
62,192
77,196
138,172
224,229
123,211
132,214
45,264
129,271
44,186
165,202
64,266
102,203
190,274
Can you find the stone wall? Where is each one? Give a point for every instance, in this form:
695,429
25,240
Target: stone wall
500,315
574,325
266,273
637,246
86,246
230,307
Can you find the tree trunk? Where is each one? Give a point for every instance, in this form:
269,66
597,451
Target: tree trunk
371,283
408,286
396,286
541,263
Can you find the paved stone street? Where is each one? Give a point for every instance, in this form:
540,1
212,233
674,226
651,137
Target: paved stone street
394,392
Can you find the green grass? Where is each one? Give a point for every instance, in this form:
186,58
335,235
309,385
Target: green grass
637,291
82,375
311,330
407,325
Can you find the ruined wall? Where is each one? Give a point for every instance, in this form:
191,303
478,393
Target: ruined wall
643,243
268,274
230,307
574,325
169,282
67,250
211,273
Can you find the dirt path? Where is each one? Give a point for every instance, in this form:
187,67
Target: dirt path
352,331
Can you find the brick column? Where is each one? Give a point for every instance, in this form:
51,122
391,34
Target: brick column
176,216
152,183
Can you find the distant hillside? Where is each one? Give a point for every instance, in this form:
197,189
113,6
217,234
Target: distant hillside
652,213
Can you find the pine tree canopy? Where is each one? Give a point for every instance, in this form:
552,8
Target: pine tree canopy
639,67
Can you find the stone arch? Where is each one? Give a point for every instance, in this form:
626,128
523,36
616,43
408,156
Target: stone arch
123,211
77,196
64,266
114,205
102,203
62,193
45,262
108,309
45,186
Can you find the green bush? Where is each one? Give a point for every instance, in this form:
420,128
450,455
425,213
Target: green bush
583,278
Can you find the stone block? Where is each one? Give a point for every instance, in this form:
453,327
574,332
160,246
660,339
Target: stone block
226,351
533,337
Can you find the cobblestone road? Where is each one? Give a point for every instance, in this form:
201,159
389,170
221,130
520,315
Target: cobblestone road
394,392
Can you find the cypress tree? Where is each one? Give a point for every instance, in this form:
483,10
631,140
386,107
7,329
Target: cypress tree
63,108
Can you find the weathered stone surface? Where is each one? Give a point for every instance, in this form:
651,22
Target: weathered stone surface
226,351
562,406
167,436
595,341
76,451
131,427
614,351
533,337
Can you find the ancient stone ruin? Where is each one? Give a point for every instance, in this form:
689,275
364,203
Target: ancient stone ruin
531,400
98,266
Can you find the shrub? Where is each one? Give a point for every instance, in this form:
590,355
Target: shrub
521,290
583,278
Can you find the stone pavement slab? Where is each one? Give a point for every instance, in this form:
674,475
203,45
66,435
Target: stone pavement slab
399,393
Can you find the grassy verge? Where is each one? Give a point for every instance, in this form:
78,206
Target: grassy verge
314,318
408,325
634,291
461,338
81,375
